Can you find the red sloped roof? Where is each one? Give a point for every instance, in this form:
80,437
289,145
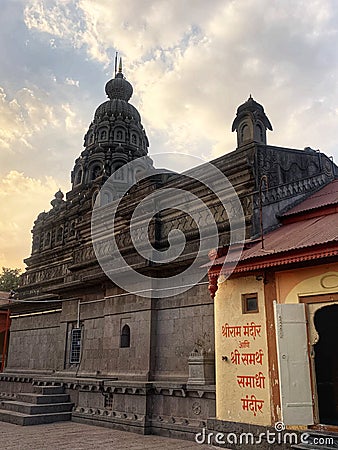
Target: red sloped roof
325,197
303,232
297,235
293,236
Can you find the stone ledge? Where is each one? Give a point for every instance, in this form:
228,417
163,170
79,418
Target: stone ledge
16,378
111,386
138,425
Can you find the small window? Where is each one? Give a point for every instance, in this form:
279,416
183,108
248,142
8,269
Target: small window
59,234
250,303
245,133
72,228
125,337
96,172
119,135
75,347
48,239
78,178
103,135
133,139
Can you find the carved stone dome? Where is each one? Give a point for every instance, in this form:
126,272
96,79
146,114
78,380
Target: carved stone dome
115,136
250,105
119,88
116,107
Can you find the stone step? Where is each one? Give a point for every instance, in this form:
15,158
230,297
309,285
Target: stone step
45,390
37,419
39,398
32,408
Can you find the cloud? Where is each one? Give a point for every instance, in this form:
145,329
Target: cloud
21,199
72,82
192,66
135,28
32,126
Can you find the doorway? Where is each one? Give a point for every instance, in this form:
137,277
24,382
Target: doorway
326,363
323,340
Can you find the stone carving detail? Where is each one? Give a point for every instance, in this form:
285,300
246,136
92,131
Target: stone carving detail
281,168
49,273
84,254
58,201
196,408
277,193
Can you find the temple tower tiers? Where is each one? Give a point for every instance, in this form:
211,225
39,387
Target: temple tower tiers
115,137
251,123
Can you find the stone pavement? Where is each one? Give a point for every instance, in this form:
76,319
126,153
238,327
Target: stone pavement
76,436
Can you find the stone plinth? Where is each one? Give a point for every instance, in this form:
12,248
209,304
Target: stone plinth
201,367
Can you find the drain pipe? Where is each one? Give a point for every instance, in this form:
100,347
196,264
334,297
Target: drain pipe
78,314
263,179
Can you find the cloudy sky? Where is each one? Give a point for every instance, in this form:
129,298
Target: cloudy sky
191,63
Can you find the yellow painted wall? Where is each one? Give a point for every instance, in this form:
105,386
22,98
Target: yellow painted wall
292,284
229,392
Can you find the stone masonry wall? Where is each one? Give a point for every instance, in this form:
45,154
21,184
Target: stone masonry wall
34,343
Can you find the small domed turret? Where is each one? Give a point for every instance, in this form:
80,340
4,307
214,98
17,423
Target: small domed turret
58,201
251,123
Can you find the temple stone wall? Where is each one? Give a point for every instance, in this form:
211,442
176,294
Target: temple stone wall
34,343
183,323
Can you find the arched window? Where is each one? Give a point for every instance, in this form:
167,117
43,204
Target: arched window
96,172
48,239
245,132
78,178
119,135
134,139
59,234
103,135
125,337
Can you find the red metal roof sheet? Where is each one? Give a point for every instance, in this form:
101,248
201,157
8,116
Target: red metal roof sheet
326,196
297,235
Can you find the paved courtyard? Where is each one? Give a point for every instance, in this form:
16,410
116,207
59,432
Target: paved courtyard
76,436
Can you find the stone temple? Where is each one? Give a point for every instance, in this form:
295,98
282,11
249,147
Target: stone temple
133,362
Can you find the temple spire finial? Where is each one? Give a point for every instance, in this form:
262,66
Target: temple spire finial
120,65
115,63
